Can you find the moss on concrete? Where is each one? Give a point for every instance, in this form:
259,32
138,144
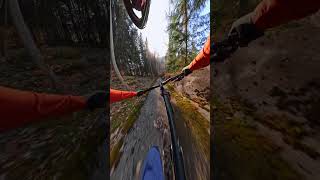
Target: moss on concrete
133,116
194,120
115,153
125,125
241,153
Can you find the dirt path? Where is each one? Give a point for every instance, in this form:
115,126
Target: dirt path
144,134
151,129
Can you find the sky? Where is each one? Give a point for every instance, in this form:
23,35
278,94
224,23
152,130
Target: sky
155,30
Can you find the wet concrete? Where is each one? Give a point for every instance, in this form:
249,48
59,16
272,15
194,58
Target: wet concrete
196,165
151,129
144,134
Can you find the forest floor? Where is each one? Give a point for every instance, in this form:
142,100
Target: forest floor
151,128
68,147
266,106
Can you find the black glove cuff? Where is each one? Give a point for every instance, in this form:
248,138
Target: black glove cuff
248,33
187,71
97,100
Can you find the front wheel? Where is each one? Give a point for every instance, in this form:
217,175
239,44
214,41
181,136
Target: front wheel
140,22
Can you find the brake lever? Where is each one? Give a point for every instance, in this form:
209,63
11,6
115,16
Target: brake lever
224,49
179,78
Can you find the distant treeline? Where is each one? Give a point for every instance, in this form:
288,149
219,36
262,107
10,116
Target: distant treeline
131,50
66,22
82,23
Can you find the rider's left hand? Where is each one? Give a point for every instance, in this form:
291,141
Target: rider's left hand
97,99
140,92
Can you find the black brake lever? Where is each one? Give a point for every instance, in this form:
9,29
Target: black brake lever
223,49
174,78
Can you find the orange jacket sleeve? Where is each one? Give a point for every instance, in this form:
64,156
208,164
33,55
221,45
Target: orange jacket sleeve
271,13
116,95
202,59
18,108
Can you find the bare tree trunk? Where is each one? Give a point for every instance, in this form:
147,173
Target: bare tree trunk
113,59
27,40
150,65
186,28
3,35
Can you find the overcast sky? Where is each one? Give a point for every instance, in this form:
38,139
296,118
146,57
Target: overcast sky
155,30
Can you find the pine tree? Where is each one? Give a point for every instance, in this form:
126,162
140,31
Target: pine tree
188,30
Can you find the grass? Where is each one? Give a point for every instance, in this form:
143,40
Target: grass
241,152
115,153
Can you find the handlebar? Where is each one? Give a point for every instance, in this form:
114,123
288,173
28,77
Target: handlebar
174,78
223,49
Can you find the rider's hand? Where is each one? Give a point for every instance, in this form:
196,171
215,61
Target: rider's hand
244,30
186,71
140,92
97,99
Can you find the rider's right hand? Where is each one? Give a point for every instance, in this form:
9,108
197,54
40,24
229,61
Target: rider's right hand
244,30
186,71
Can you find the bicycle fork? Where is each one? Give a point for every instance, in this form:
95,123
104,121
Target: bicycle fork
176,149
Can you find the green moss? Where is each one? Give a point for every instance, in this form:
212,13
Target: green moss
125,126
194,120
115,153
292,131
115,124
133,116
284,125
241,153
